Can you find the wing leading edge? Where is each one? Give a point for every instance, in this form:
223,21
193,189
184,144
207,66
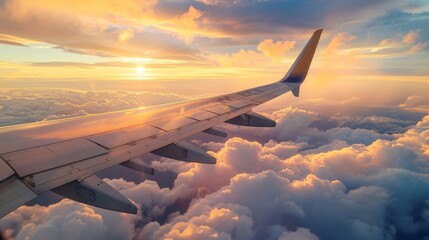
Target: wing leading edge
64,155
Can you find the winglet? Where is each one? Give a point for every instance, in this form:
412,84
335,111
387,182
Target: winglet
299,69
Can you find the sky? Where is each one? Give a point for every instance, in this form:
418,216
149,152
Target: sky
349,158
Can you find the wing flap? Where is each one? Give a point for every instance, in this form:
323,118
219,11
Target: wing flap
139,165
185,151
216,132
13,193
252,119
95,192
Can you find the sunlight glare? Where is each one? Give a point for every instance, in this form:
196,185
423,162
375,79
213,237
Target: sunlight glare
140,71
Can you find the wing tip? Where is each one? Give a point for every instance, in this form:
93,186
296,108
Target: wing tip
298,72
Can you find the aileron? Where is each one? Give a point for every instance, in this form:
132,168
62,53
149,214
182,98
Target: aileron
13,193
94,191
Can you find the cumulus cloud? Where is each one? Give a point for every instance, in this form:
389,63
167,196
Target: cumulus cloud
415,102
93,29
267,53
67,220
338,40
43,104
243,58
295,124
362,190
186,23
273,49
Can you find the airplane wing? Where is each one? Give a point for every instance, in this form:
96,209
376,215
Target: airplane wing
64,155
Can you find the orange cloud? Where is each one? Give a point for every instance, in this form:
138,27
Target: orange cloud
103,10
418,47
338,41
399,44
411,36
275,50
186,23
102,28
241,58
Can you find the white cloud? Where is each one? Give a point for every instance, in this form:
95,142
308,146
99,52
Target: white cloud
354,186
22,106
67,220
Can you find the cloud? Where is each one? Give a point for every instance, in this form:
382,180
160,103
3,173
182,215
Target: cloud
156,29
275,50
297,125
398,17
67,220
206,34
361,189
301,233
93,29
43,104
415,102
243,58
12,43
411,37
186,23
267,53
245,18
338,40
419,47
406,40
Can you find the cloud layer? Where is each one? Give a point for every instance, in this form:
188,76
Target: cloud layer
23,106
301,180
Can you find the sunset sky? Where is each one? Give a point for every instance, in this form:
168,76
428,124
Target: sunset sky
349,159
154,40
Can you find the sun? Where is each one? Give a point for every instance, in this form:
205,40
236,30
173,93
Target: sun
140,71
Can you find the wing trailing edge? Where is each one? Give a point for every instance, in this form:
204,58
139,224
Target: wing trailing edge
139,165
252,119
14,193
185,151
216,132
94,191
